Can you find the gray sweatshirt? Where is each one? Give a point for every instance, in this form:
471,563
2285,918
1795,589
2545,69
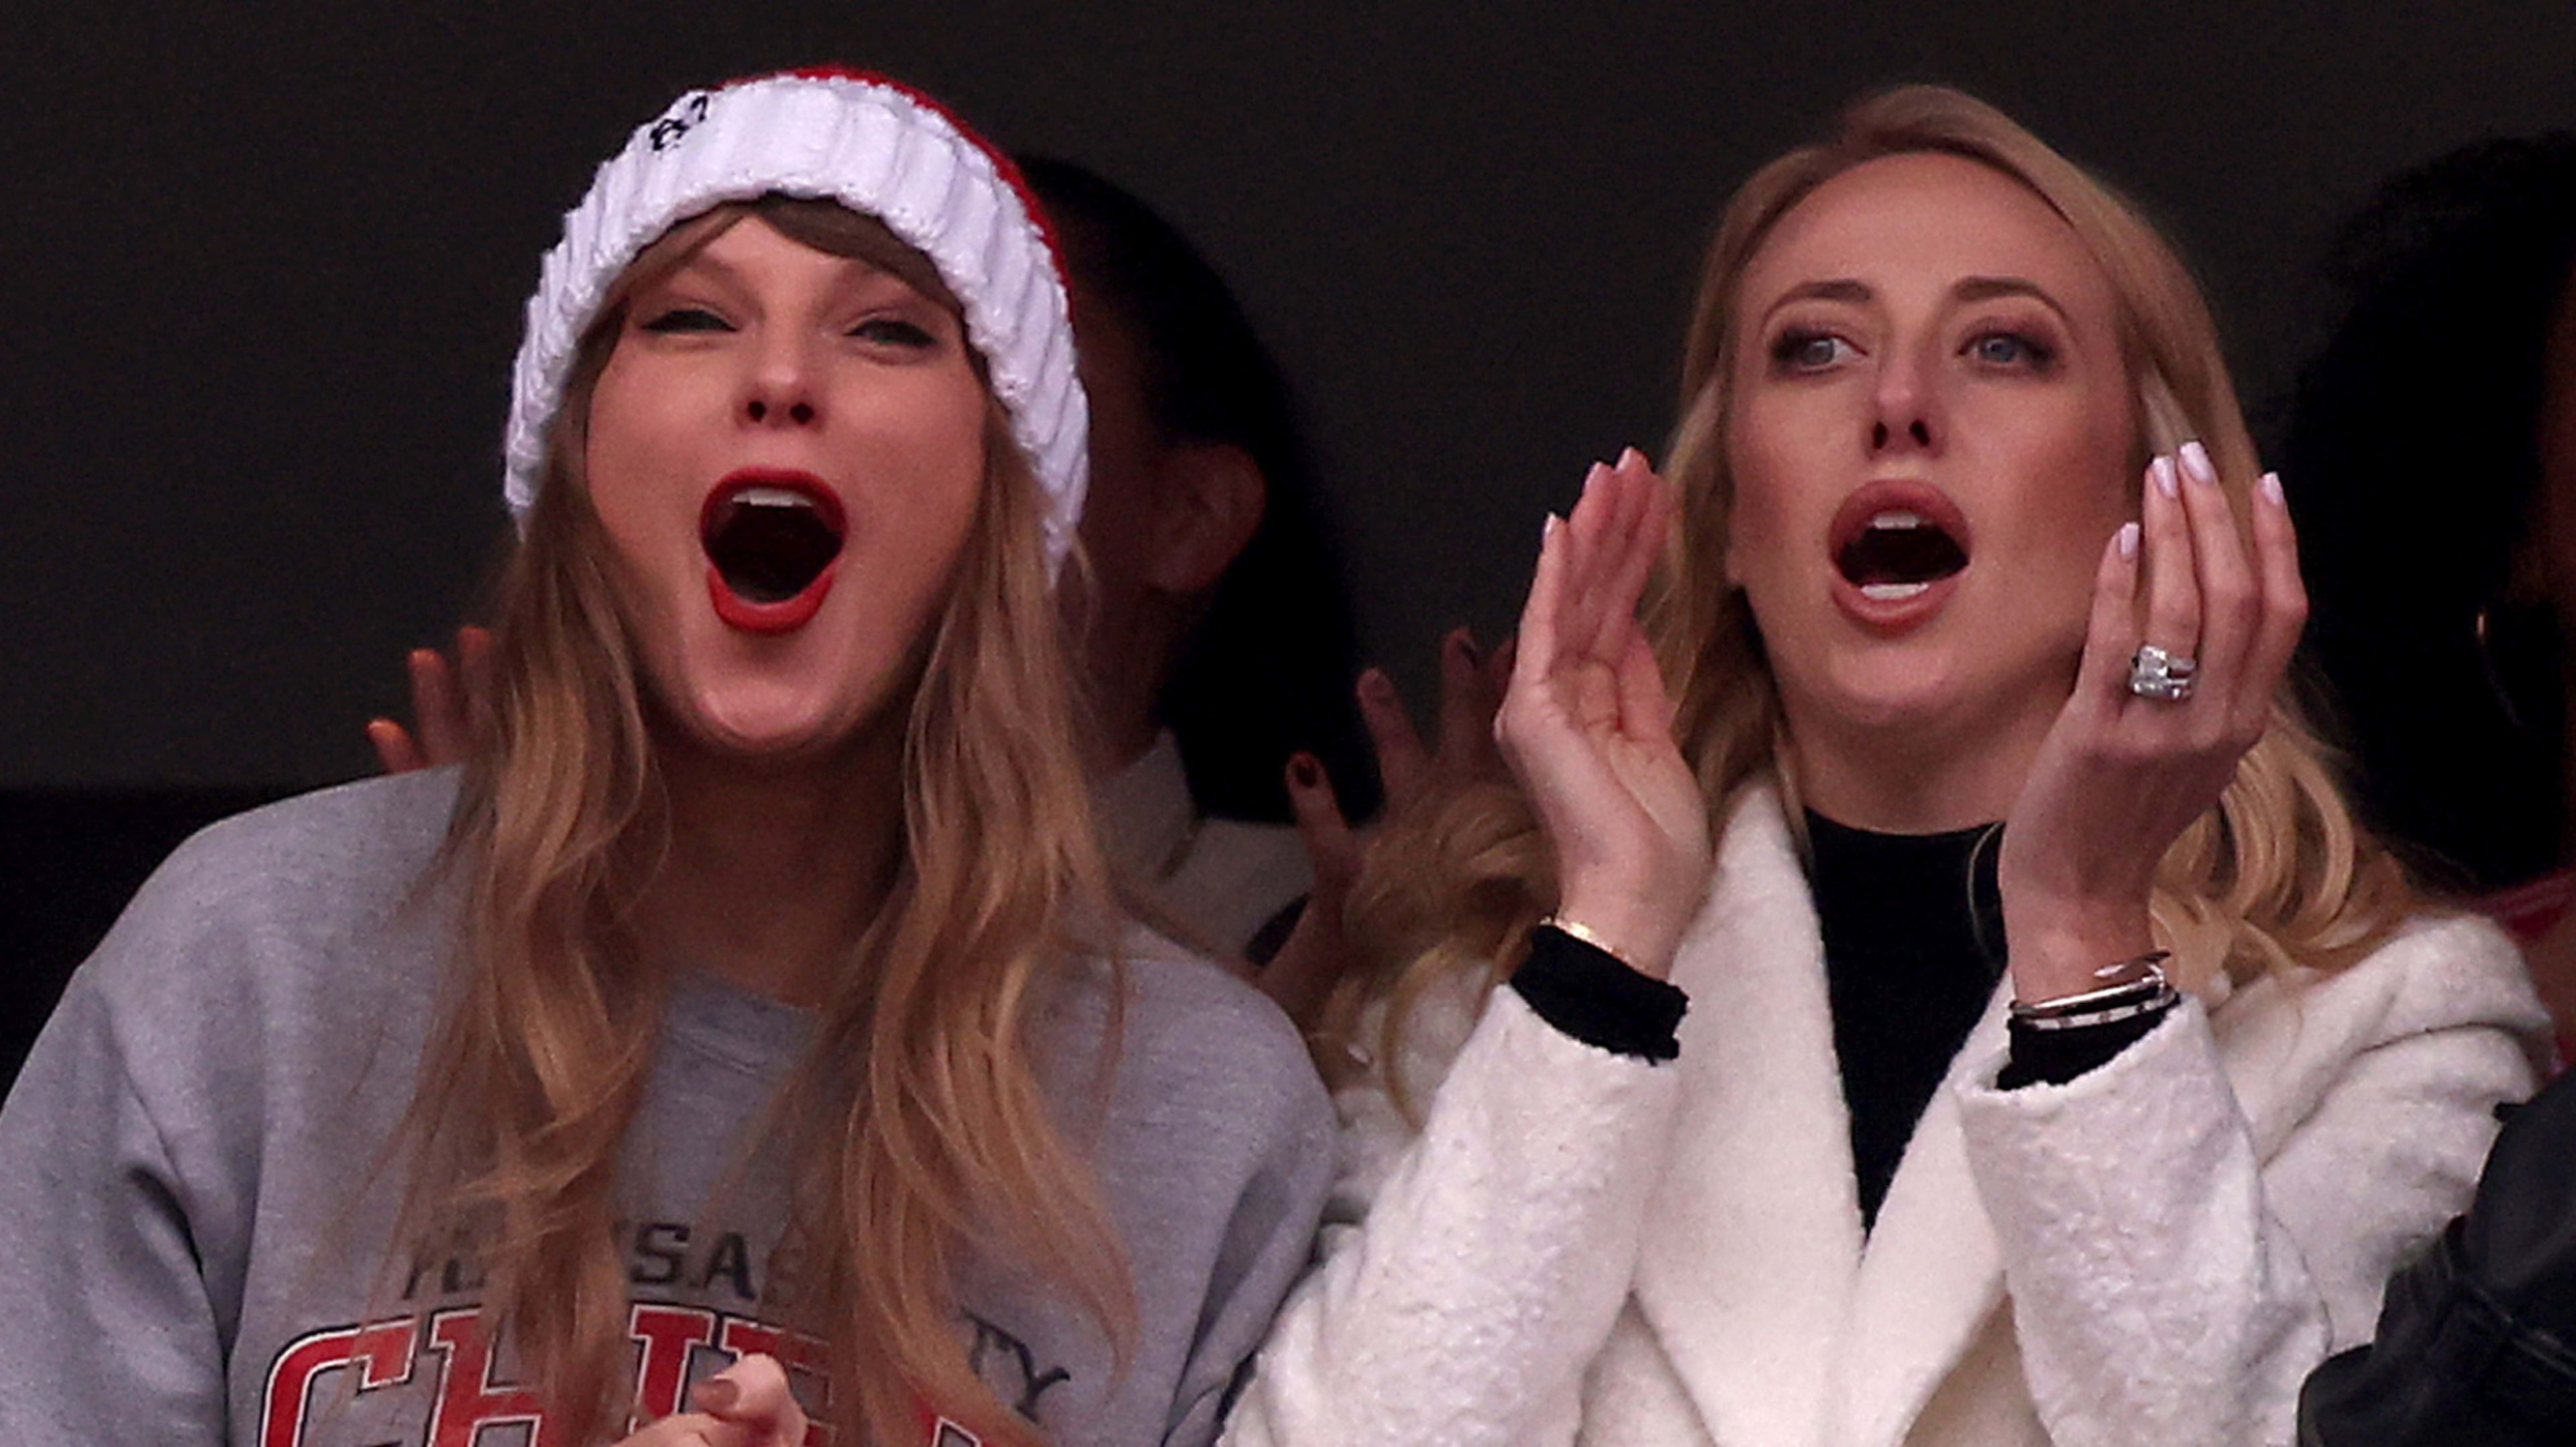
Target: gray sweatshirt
196,1191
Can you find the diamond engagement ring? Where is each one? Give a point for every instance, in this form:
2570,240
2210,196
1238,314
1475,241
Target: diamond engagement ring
2162,676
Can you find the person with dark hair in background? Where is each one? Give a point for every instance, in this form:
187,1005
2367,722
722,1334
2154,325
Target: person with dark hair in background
2433,447
2436,434
1216,637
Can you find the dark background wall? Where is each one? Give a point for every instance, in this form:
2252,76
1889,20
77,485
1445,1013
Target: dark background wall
263,267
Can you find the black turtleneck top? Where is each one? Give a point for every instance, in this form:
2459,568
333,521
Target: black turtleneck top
1914,942
1913,928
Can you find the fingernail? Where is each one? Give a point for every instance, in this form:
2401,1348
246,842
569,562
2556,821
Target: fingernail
1376,686
2270,487
1631,457
1547,529
716,1394
2162,471
2195,460
2128,540
1304,769
1593,475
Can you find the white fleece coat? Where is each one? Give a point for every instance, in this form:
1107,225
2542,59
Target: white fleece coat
1585,1247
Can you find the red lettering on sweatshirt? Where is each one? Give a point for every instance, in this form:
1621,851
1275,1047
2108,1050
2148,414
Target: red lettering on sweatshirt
381,1353
669,1334
468,1399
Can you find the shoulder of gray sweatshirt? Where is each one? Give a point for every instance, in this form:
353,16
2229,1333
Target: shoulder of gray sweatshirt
198,1184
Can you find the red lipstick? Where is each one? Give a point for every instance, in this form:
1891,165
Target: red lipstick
773,542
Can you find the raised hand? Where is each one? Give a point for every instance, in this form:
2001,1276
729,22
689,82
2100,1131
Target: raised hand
443,699
1316,955
1587,729
2137,754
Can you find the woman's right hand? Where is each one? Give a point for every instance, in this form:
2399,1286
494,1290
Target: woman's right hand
747,1404
1318,954
1587,729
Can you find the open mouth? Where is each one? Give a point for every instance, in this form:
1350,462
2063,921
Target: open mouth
773,542
1896,553
770,537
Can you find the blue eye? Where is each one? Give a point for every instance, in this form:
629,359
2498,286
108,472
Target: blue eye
685,319
1798,350
2010,349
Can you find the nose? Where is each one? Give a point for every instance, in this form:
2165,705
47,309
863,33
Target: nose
1917,431
780,389
1905,409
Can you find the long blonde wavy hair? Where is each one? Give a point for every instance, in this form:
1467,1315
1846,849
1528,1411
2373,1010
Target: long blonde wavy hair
2278,876
915,1122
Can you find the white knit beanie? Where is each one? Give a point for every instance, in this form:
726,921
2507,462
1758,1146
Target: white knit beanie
876,147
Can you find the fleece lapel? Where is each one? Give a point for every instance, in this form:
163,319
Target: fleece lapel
1754,1235
1932,1273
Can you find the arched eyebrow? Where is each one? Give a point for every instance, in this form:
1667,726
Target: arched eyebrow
1835,289
1987,288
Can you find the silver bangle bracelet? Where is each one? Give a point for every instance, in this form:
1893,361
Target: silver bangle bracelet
2148,988
2153,1004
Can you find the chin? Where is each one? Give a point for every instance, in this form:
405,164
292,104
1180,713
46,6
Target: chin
1884,689
768,722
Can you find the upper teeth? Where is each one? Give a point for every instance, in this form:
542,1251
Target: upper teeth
772,497
1896,520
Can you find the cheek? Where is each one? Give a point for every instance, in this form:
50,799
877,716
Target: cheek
1754,467
2072,462
618,449
941,458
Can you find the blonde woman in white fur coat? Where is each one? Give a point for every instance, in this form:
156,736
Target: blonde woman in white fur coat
1969,529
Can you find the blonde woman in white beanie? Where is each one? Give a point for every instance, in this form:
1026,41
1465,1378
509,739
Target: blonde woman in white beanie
755,997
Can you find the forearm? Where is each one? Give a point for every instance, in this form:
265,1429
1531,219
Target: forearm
1489,1265
2174,1281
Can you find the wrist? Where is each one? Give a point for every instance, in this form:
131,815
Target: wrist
1642,935
2053,954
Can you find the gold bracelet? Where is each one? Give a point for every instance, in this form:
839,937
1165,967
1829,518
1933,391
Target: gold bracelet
1589,936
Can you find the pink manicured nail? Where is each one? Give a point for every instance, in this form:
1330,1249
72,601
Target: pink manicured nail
2162,471
1376,686
1547,529
1630,457
2270,487
2195,460
2128,536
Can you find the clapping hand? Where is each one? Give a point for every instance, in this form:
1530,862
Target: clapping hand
1588,731
2183,658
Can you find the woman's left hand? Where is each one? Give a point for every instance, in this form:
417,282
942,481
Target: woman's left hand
2123,772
